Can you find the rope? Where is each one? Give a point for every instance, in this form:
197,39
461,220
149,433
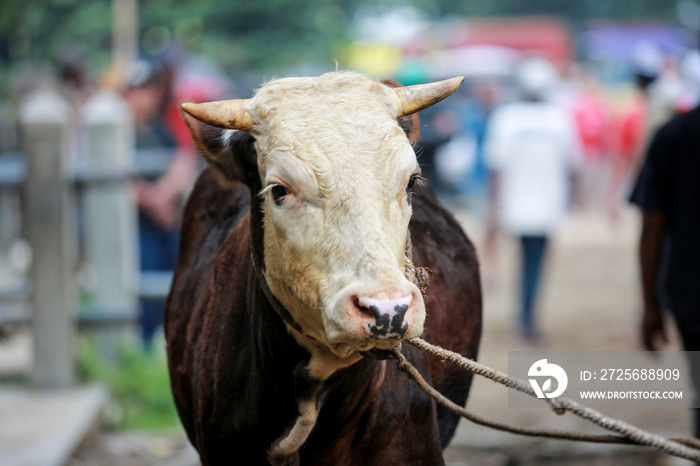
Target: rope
627,434
406,367
688,448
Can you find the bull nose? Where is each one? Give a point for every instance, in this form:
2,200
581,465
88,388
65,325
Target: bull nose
384,314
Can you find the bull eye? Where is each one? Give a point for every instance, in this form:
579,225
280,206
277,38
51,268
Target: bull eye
415,178
279,192
412,181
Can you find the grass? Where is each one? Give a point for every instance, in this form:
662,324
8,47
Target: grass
138,383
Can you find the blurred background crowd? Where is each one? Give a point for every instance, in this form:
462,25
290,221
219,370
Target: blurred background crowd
618,72
559,103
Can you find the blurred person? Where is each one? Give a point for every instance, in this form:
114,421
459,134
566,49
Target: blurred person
532,150
667,89
475,121
460,160
153,94
591,114
74,84
156,197
74,81
159,124
640,118
668,193
690,75
147,93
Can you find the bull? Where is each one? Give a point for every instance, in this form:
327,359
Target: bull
296,262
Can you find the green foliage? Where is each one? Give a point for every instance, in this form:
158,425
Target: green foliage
42,30
239,35
138,383
251,36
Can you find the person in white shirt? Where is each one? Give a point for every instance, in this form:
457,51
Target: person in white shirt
532,148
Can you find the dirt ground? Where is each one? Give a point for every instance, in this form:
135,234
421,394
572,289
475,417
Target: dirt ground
589,301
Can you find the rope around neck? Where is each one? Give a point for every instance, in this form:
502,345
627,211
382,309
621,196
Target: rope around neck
688,448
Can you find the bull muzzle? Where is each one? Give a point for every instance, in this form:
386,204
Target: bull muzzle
385,314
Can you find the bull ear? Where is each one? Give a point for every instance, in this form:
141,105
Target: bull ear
409,123
230,152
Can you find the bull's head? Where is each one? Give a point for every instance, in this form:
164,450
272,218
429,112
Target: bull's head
335,176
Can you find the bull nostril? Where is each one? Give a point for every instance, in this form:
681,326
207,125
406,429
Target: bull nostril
363,309
383,305
388,314
382,314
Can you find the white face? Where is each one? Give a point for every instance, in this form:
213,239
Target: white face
336,172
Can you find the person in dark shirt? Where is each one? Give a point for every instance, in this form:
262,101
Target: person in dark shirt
668,192
148,92
154,91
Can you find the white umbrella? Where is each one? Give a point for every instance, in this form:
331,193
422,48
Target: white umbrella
473,61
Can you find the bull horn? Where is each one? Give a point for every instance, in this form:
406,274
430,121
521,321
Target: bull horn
229,114
411,99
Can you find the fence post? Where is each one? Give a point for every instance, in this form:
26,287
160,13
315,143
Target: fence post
9,198
110,214
50,221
